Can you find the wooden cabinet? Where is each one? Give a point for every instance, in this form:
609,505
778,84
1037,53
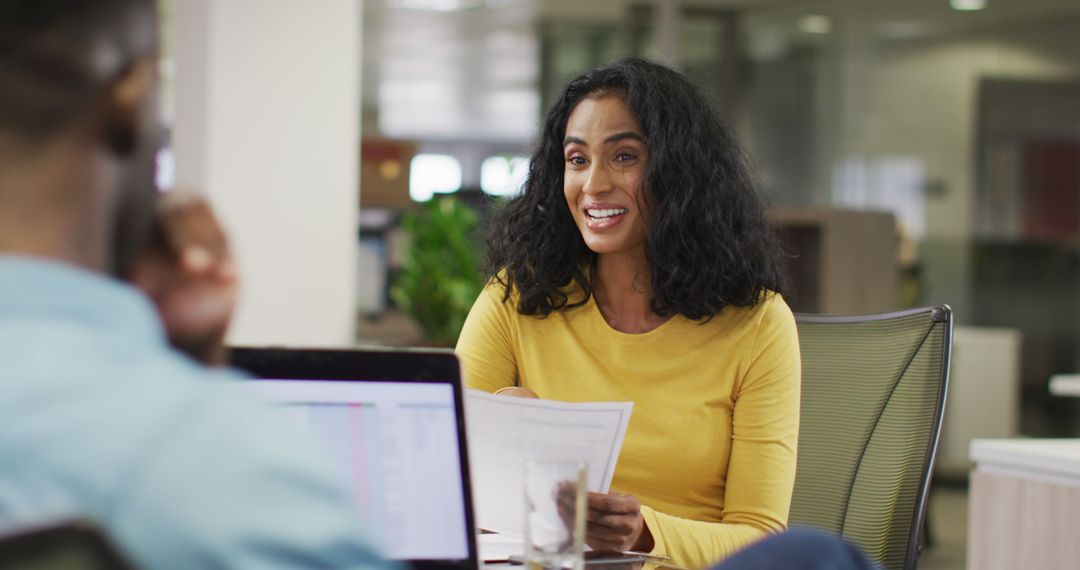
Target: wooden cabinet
840,261
1024,504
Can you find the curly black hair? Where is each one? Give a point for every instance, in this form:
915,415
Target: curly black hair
709,241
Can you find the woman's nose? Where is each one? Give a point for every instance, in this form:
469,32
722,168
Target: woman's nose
598,180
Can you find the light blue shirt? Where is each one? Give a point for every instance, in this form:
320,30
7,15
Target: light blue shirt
183,469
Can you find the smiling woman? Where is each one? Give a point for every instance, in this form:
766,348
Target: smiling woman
653,276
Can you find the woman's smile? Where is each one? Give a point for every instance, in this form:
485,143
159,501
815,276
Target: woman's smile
601,216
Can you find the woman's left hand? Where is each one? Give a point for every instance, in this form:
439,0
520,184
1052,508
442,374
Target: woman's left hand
614,523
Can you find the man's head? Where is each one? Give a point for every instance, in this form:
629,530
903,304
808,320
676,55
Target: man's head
78,83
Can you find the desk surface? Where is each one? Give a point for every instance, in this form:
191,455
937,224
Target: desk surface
1053,457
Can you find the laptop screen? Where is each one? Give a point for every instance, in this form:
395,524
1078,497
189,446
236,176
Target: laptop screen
391,422
396,444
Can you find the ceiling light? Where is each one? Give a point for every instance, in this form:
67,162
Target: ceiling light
434,5
815,24
967,5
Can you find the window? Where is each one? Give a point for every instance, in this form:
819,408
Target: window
431,174
503,175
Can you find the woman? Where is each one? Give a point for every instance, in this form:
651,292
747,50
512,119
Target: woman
638,264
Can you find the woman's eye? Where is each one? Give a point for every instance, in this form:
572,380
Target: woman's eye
625,157
576,160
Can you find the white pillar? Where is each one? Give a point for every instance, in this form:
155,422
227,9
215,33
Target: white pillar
669,32
267,123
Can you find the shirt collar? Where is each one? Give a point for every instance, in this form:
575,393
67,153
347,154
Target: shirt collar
39,288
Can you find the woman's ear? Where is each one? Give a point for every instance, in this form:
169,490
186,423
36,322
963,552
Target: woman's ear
128,107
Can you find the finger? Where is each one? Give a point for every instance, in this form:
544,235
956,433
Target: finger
206,260
608,533
597,543
614,503
620,523
227,270
196,259
565,493
189,221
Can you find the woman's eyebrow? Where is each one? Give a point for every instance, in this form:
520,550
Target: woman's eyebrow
613,138
623,136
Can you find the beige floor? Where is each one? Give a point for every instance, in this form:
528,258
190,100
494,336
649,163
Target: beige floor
948,523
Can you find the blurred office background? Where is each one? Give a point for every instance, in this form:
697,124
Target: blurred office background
915,152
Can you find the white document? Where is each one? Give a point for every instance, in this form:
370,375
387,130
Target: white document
504,433
499,547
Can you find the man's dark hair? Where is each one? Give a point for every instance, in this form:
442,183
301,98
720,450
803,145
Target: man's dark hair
58,56
708,238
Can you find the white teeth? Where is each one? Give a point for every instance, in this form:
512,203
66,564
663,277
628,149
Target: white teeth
605,213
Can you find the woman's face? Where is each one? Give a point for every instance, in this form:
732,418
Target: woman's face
605,159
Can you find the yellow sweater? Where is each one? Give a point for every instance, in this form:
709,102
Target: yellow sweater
710,451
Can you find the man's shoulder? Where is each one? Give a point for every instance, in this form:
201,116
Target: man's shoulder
175,458
71,403
230,468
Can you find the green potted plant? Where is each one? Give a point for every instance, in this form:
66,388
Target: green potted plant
439,278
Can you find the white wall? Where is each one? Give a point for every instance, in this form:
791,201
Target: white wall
267,123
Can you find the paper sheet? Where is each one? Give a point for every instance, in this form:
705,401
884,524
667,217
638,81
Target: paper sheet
499,547
505,432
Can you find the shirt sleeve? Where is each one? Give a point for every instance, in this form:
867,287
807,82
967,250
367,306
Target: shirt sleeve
485,346
236,484
761,469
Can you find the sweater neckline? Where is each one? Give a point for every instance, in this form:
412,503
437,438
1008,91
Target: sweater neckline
595,314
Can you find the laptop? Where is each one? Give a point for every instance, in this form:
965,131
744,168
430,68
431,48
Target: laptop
393,423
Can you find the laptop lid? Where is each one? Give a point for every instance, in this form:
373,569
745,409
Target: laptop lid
393,422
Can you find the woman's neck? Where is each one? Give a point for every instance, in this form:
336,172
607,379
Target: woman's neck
621,284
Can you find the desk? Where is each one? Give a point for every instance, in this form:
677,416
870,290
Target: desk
496,547
1024,504
984,395
1065,385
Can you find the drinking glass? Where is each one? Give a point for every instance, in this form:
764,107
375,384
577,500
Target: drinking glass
555,515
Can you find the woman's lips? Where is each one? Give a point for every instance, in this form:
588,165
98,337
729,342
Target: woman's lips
604,217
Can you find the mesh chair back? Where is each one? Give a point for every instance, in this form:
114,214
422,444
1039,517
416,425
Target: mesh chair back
873,394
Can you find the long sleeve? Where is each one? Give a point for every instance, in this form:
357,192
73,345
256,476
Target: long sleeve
232,484
761,469
485,346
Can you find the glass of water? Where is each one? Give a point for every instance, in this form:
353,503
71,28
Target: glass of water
555,515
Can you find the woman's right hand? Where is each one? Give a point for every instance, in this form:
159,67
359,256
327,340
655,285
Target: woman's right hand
517,392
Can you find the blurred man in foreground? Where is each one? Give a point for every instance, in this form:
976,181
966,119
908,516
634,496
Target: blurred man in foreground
101,417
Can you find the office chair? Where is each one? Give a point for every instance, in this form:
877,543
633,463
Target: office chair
873,394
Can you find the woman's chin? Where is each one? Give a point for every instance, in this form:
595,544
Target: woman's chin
609,246
599,246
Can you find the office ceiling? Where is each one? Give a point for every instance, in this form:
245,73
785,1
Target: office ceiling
468,70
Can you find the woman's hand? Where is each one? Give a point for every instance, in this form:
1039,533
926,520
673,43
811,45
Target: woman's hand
517,392
188,272
614,523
